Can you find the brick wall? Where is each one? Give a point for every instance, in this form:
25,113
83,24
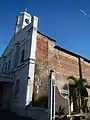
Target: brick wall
41,68
63,63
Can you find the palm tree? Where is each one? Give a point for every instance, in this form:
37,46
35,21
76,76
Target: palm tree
81,91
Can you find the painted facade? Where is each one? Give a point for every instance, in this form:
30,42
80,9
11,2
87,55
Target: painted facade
18,61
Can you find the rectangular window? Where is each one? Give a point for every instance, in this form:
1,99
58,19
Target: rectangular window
17,87
22,55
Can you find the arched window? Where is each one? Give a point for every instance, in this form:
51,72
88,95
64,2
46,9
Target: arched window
17,87
0,67
5,67
22,55
9,64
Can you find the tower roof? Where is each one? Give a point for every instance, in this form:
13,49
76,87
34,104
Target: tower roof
25,12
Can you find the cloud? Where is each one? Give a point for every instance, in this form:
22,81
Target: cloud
83,12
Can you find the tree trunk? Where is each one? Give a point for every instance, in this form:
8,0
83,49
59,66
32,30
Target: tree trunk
81,105
78,102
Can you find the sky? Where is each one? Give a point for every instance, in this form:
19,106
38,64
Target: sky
61,20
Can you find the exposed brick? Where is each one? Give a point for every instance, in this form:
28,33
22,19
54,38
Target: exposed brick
64,64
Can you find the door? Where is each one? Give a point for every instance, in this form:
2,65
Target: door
1,95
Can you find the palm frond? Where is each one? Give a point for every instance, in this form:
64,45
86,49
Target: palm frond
83,80
84,92
73,78
87,86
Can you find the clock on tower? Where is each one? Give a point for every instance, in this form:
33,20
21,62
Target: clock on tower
22,20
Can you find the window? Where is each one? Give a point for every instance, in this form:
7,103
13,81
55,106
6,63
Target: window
9,63
22,55
5,67
17,87
0,67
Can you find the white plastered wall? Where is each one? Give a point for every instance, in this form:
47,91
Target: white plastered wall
27,40
26,71
32,62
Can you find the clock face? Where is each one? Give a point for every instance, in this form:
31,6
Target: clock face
27,20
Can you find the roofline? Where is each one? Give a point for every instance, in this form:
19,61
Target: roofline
64,50
71,53
46,36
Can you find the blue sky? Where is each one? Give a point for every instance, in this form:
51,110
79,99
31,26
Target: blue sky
59,19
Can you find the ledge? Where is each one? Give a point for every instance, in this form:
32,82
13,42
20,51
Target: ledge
71,53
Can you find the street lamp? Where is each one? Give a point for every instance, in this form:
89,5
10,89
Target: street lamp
51,89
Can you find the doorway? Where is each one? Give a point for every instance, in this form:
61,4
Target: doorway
1,95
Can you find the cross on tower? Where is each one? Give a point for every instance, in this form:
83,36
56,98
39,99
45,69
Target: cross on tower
37,84
25,10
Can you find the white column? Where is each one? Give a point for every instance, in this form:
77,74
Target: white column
32,60
50,96
54,102
69,104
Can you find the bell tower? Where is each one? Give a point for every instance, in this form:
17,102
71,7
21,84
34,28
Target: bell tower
22,20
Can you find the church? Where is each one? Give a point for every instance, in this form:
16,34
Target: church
25,66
